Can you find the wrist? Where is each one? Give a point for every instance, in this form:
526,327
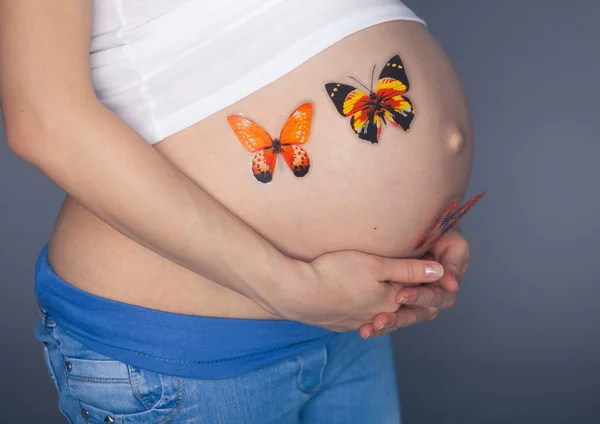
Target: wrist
281,286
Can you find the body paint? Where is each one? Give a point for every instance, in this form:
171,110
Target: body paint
447,220
256,140
386,103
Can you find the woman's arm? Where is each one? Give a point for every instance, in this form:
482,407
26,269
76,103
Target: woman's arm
54,121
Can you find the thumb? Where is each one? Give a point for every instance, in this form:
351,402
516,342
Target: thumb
410,271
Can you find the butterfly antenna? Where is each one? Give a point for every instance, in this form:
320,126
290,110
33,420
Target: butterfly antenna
360,83
372,77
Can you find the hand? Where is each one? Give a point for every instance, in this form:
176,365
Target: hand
424,302
340,291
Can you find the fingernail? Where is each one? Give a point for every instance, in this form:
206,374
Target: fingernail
406,297
368,334
455,282
381,327
434,270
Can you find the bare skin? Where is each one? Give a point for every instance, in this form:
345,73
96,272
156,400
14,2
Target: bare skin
376,199
357,197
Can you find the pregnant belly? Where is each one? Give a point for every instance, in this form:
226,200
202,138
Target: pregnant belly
378,198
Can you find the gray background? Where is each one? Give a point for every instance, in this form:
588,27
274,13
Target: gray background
521,346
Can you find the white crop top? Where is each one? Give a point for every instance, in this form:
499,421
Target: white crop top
163,65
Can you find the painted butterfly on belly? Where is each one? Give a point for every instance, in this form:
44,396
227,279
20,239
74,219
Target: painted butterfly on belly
447,220
255,139
368,111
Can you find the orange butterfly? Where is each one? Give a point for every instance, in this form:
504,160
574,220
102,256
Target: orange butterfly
255,139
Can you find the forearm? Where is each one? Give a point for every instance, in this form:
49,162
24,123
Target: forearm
112,171
53,120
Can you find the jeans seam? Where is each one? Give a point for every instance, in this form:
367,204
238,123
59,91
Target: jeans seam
319,386
165,420
136,390
175,410
213,361
99,380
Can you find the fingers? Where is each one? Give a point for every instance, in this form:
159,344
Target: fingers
426,296
446,263
419,304
380,322
409,271
406,316
366,331
453,253
392,304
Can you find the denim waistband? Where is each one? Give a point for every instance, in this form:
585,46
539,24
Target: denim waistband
189,346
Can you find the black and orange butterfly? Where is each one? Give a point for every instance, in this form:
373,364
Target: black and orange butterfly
368,111
255,139
447,220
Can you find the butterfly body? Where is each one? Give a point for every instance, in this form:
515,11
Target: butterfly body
368,112
256,140
276,146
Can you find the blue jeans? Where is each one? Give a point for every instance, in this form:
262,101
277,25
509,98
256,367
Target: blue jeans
348,380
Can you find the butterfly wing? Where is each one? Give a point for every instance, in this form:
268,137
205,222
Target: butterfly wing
350,101
296,158
367,125
436,226
296,131
255,139
347,99
297,127
457,216
392,84
425,239
263,165
446,212
250,134
394,69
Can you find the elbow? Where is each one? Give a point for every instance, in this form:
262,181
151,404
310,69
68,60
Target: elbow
34,127
14,127
17,145
15,140
27,136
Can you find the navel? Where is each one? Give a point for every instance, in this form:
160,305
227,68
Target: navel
455,140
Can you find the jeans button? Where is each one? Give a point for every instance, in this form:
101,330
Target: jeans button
108,420
85,414
68,366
